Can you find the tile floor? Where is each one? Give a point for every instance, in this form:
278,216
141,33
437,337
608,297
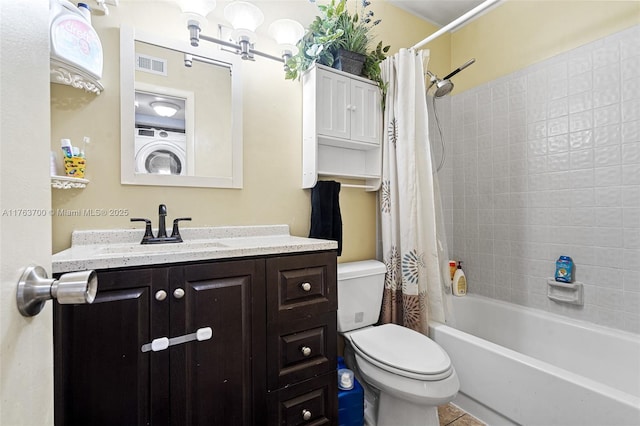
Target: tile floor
450,415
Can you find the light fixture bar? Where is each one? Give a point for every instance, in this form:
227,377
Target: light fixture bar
238,47
243,48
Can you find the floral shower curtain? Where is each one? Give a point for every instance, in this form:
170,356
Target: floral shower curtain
415,285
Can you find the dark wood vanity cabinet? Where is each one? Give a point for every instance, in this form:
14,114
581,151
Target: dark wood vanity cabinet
271,358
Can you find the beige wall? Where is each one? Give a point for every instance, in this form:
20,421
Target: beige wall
272,136
519,33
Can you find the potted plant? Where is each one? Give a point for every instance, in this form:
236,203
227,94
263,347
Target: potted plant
338,39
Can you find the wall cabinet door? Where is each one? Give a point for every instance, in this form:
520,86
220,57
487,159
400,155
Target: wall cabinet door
366,114
333,105
348,108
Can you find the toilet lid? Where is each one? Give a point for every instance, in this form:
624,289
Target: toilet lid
402,350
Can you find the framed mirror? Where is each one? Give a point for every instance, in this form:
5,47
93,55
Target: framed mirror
181,113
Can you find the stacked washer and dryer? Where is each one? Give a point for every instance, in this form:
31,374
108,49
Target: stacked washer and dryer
159,151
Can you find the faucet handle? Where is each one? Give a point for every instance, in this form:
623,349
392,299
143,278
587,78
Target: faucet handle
175,233
148,233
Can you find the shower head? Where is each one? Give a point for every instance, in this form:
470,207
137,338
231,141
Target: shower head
444,86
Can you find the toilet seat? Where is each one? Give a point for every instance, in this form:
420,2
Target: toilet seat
402,351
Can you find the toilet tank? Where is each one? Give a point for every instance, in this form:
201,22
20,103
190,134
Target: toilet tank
360,287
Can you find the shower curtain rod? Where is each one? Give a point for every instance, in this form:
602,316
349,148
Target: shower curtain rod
470,14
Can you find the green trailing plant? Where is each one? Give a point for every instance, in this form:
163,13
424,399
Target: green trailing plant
334,29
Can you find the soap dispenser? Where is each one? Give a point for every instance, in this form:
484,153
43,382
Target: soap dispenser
459,281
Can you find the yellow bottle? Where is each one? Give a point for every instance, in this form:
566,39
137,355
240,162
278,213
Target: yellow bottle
459,281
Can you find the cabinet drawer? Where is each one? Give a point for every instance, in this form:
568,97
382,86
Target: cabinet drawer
301,286
315,400
301,350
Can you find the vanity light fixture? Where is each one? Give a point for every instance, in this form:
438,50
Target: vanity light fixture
244,17
165,109
287,33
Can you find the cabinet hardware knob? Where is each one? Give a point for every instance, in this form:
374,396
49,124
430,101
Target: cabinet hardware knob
305,286
306,351
178,293
161,295
306,414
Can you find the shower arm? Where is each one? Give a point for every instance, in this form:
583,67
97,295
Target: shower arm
460,68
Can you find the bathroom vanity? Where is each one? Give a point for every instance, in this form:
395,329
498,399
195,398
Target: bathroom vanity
236,326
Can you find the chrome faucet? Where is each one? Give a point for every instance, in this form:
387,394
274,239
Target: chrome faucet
162,237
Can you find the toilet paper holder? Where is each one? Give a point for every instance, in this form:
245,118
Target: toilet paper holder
35,288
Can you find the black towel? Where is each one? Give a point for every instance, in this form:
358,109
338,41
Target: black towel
326,220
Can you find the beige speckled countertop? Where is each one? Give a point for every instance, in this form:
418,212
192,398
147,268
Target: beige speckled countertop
116,248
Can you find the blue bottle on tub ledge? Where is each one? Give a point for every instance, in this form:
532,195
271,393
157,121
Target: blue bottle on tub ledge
564,269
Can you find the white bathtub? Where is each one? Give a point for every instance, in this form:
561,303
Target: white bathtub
525,366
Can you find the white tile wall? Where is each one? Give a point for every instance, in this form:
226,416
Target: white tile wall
546,162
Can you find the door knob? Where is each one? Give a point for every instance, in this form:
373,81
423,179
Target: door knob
161,295
35,288
305,286
178,293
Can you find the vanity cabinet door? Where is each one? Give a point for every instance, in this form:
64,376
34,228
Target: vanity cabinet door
102,377
218,381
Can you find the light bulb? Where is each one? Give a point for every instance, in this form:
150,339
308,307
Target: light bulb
200,8
287,33
244,17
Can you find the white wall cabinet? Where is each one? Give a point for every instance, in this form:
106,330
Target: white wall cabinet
342,127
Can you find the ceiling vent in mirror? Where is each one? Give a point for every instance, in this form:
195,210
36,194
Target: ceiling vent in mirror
151,64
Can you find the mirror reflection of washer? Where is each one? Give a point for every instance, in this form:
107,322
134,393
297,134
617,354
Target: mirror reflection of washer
160,152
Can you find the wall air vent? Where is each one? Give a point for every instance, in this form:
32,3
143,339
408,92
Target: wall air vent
150,64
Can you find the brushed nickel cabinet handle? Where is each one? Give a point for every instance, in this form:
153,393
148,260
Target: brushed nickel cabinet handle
161,295
305,286
305,350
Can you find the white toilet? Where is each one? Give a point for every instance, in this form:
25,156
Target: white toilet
406,375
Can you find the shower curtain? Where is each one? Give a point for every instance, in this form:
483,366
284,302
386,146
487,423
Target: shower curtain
415,285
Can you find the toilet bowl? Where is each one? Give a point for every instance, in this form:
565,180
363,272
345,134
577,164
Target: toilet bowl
405,374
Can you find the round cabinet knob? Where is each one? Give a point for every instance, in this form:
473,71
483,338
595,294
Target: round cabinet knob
306,351
178,293
161,295
305,286
306,414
